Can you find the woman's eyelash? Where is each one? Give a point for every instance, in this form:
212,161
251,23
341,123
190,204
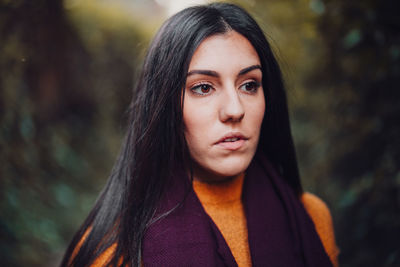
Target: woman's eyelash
202,89
250,86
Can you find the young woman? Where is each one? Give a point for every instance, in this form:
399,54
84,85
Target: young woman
207,174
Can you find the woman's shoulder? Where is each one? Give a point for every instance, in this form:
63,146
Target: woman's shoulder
321,216
103,258
316,207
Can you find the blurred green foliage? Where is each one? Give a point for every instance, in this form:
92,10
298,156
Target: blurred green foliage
66,74
66,77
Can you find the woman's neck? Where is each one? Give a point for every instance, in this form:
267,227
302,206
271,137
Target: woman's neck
219,192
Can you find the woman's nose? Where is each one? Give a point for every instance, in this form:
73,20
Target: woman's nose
231,107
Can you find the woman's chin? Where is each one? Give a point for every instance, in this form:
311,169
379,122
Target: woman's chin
221,172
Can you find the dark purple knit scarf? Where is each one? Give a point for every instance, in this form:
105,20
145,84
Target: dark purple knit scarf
280,231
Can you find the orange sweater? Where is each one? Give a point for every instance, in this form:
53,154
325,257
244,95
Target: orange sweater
222,202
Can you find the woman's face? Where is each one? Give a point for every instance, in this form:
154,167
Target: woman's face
223,106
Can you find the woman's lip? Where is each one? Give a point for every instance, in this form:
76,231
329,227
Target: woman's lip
231,135
235,145
232,145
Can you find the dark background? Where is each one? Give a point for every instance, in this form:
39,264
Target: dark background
66,73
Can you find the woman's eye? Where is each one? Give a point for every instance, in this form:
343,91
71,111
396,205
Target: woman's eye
250,87
202,89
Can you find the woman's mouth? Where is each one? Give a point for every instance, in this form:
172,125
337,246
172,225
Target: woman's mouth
232,142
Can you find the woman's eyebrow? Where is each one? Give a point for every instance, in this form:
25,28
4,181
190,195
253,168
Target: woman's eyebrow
215,74
203,72
248,69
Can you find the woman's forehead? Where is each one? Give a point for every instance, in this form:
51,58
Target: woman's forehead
224,51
